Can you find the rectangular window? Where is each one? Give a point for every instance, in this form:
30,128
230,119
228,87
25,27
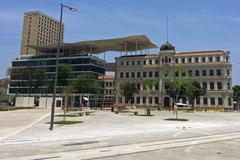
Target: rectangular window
203,59
156,100
133,74
150,74
198,101
218,59
220,101
156,86
144,62
138,86
176,60
121,63
150,61
205,101
144,74
144,100
189,60
139,62
132,100
156,74
183,74
229,101
212,101
196,60
210,59
190,73
121,75
204,72
183,60
138,100
127,75
150,100
127,63
176,74
156,62
138,74
211,72
219,72
196,72
133,63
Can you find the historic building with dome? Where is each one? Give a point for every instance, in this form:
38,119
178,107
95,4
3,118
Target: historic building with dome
212,68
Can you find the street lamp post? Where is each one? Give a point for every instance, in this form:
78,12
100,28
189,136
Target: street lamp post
57,59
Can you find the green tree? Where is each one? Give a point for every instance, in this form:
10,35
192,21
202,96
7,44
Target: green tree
236,93
176,89
128,89
194,91
87,83
40,80
63,75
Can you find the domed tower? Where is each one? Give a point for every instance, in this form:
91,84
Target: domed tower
167,47
167,52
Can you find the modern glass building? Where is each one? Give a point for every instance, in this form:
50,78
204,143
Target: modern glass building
33,76
26,72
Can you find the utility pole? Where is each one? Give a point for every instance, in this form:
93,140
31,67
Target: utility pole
57,59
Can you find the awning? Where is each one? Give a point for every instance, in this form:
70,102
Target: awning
131,43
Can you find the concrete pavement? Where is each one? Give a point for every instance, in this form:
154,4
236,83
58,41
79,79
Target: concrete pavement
105,135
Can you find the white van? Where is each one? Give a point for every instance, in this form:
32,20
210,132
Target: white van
181,106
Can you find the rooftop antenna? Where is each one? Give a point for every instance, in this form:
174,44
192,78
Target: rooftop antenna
167,28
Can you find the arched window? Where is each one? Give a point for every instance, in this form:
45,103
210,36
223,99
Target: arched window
219,85
204,85
211,85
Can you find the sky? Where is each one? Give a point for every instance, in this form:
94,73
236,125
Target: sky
193,25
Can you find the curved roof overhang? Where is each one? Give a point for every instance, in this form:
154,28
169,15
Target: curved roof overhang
130,43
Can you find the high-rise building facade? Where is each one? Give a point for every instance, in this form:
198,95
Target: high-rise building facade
39,29
212,69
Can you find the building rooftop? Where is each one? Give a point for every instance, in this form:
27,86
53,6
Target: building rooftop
40,13
128,44
106,77
199,52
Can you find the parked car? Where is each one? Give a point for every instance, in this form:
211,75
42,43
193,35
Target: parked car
181,106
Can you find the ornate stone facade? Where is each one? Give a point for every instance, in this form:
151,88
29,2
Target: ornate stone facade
211,68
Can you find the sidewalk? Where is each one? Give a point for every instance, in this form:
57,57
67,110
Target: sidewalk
13,122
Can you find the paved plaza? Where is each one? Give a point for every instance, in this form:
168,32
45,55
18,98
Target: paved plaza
24,135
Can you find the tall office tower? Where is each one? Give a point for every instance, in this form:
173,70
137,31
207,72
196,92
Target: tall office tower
39,29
